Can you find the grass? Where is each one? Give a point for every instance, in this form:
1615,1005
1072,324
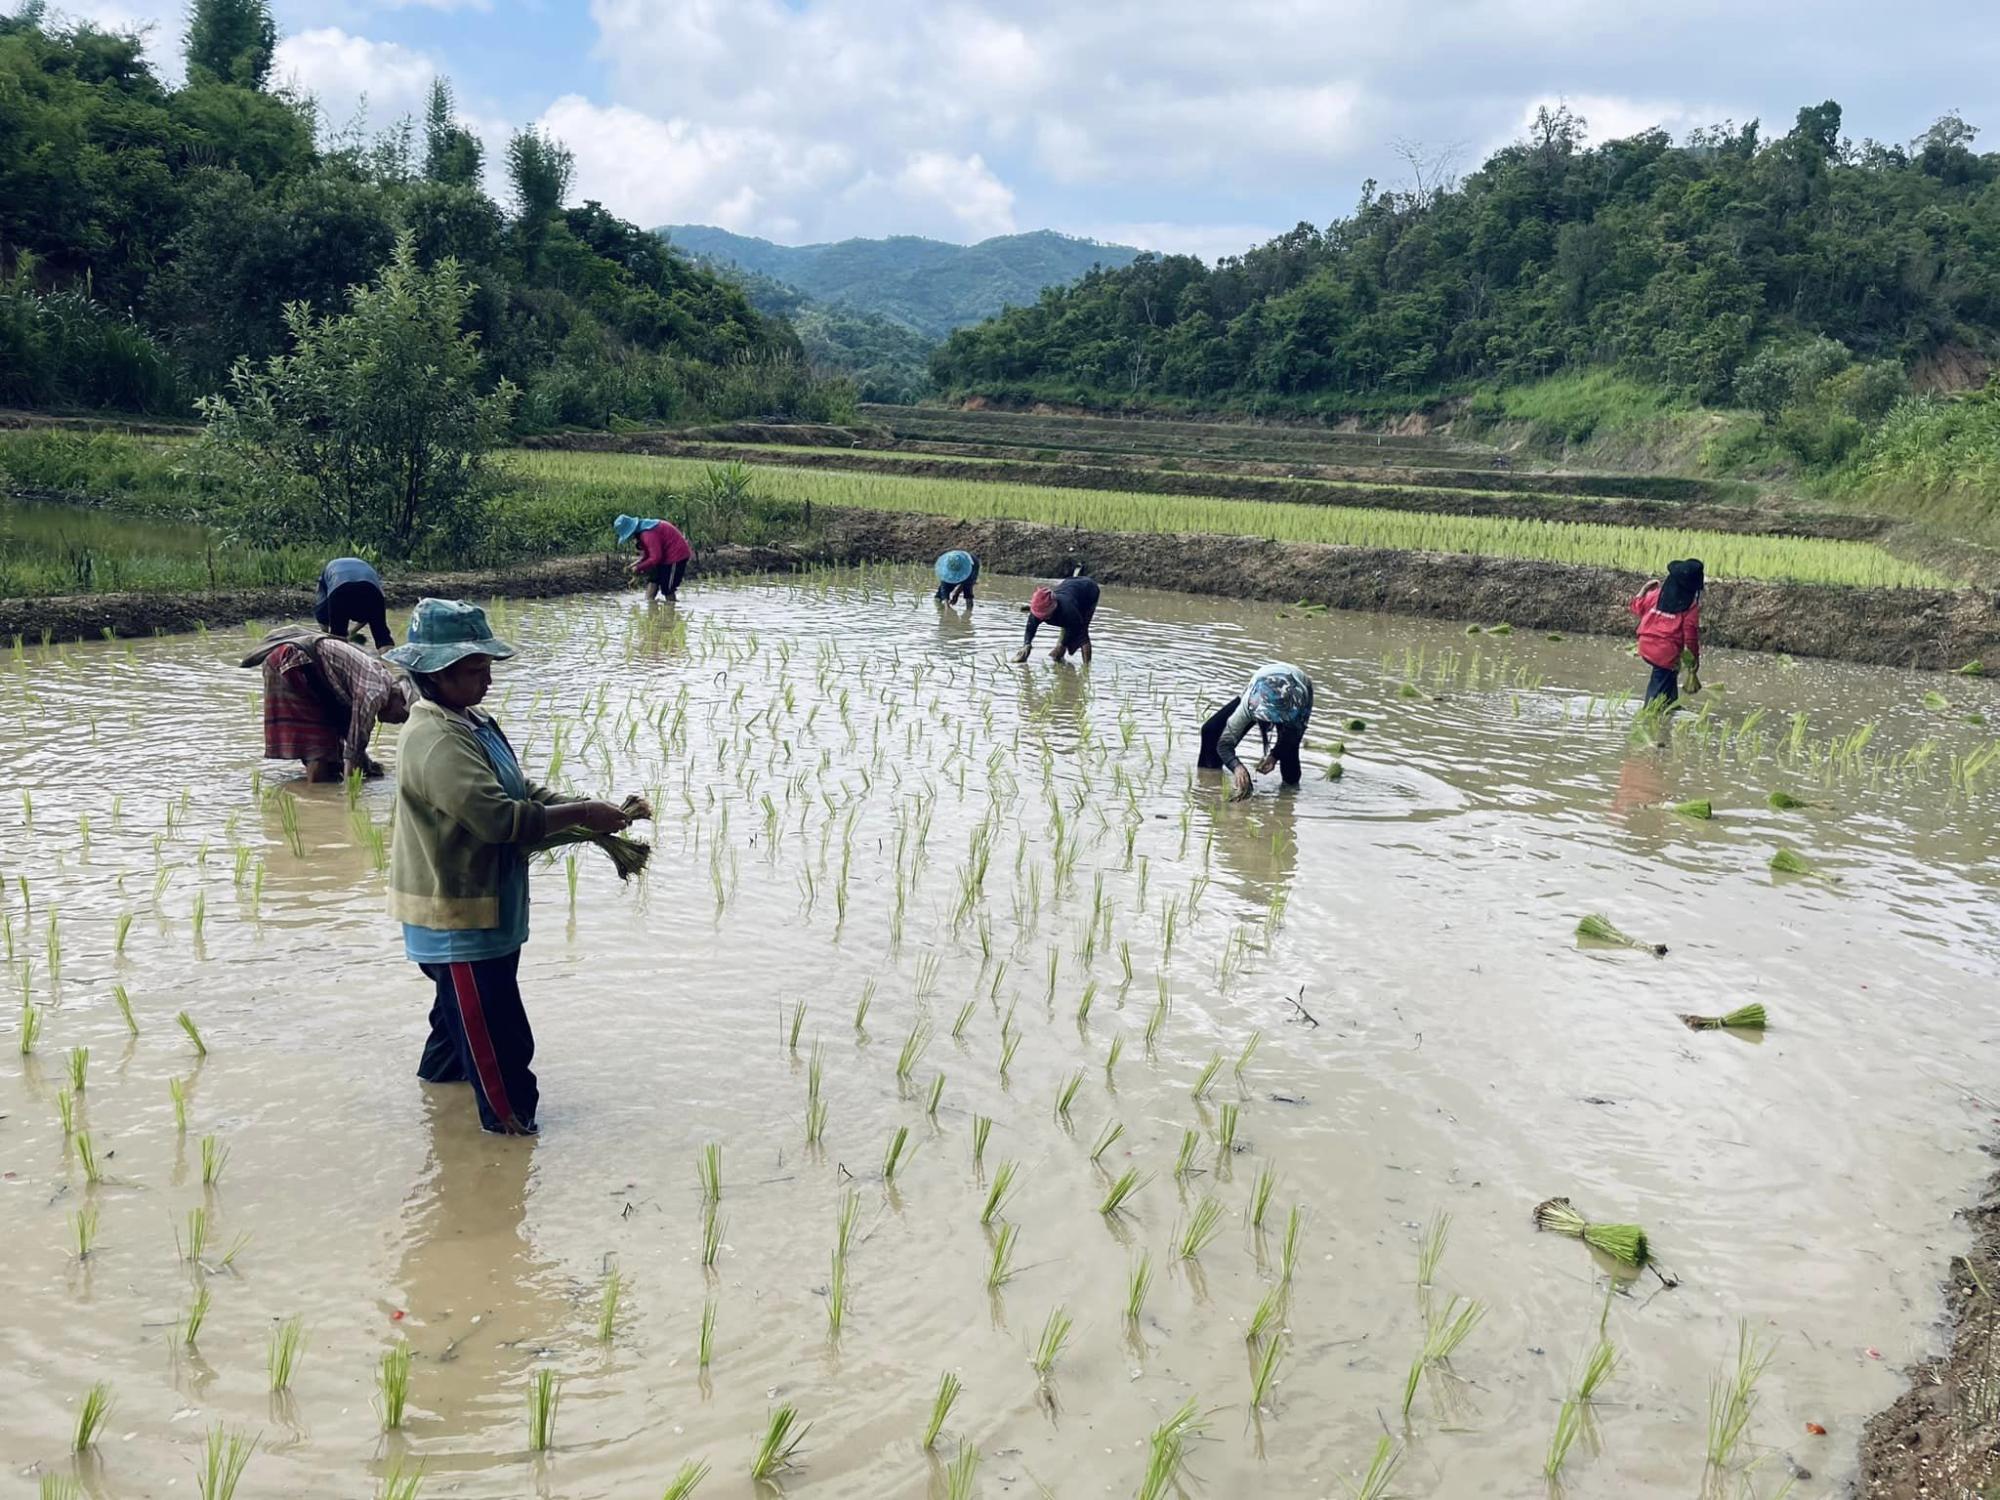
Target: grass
1598,1367
83,1231
689,1475
941,1404
1265,1372
982,1127
1066,1096
1732,1397
1444,1333
1055,1335
1128,1182
781,1439
713,1227
607,1306
914,1046
214,1157
86,1155
186,1022
397,1485
999,1191
1000,1270
1138,1281
1569,1425
708,1171
1249,1051
836,1294
1106,1139
1430,1247
1225,1130
544,1397
124,1004
893,1157
189,1330
224,1457
90,1417
1288,1253
1202,1227
1190,1148
79,1068
1380,1473
31,1024
705,1340
1207,1079
964,1471
392,1386
288,1341
1261,1189
1633,549
177,1091
1166,1451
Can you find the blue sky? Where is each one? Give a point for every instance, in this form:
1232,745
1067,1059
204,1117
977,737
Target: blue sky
1174,124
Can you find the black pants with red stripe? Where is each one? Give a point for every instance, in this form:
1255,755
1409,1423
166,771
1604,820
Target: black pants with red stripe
480,1034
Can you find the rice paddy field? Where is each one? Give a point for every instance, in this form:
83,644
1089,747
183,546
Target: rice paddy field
1640,549
968,1100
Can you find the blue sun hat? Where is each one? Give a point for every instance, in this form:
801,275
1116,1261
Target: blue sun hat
1279,694
443,631
627,527
954,567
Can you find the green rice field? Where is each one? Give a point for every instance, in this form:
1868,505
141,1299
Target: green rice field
1629,548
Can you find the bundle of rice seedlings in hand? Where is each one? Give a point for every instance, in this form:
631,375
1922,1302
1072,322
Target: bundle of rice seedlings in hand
1625,1243
628,856
1743,1018
1598,929
1785,802
1699,808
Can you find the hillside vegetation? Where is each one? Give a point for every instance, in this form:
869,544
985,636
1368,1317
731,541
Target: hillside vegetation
152,236
927,286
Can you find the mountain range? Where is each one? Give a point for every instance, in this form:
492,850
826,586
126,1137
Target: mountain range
927,286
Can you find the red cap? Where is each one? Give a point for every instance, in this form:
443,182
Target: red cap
1042,603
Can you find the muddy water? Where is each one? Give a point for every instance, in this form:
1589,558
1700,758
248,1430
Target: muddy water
1468,1060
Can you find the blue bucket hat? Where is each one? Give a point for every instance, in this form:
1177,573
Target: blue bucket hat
627,527
443,631
954,567
1278,695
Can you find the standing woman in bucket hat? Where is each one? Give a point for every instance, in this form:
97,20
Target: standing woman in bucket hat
467,818
1069,606
663,554
957,574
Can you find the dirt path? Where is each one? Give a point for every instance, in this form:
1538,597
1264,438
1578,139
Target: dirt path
1928,628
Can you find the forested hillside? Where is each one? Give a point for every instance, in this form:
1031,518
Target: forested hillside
887,361
1731,268
151,236
927,286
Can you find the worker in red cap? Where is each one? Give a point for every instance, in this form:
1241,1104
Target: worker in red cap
1068,606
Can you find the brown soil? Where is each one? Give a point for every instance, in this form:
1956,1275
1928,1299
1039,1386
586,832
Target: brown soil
1485,500
1928,628
1941,1439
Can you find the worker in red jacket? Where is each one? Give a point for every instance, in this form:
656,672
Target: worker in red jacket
1669,616
663,554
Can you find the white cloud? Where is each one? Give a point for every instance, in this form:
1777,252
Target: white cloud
964,187
347,73
435,4
1209,241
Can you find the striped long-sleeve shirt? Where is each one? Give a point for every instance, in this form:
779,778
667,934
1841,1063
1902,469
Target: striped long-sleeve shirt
360,680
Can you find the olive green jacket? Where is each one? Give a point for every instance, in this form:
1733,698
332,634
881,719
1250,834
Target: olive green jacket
452,817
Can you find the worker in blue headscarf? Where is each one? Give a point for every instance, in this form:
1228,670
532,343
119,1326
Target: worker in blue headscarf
1278,698
957,572
350,594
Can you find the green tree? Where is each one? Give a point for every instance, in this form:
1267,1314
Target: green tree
373,430
452,154
540,169
231,41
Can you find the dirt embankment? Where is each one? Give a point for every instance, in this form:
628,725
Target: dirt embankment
1375,494
1941,1439
1924,628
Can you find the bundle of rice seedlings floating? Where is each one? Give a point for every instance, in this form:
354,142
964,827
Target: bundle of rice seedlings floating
1936,702
1055,1335
90,1417
223,1460
782,1437
1791,862
1970,669
1743,1018
1625,1243
1700,808
392,1386
941,1405
544,1396
288,1341
1598,929
690,1474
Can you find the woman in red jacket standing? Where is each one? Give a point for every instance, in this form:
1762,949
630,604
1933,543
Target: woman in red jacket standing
1670,624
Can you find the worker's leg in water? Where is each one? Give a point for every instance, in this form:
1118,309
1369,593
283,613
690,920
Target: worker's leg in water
481,1009
675,573
442,1062
322,770
1664,683
1289,742
1210,756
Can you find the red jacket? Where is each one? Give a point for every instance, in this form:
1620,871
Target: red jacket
662,542
1662,637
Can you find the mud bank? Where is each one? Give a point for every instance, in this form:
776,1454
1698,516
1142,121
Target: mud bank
1922,628
1415,494
1941,1439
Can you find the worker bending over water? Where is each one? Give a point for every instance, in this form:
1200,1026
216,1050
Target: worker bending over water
957,573
350,594
1069,607
663,554
1278,697
323,696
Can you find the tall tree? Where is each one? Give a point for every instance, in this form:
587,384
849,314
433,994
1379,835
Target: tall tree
451,152
540,168
231,41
